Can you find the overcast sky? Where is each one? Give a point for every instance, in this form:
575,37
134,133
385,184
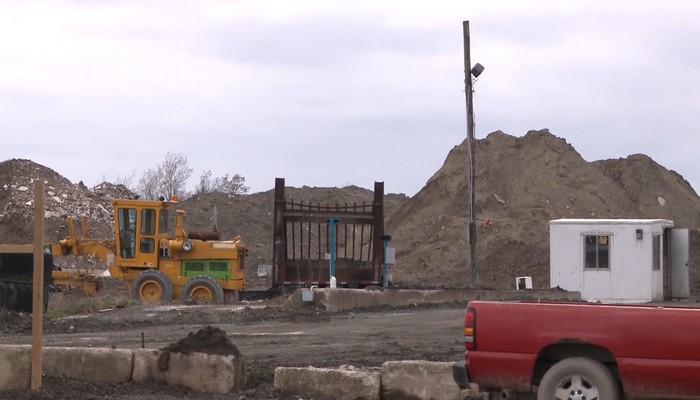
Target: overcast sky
331,93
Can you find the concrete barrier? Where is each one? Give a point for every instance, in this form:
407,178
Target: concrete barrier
15,367
345,299
341,384
90,365
421,380
198,371
98,365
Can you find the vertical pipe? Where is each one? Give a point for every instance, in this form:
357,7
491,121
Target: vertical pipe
332,227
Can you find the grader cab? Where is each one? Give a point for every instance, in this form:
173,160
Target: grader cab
156,265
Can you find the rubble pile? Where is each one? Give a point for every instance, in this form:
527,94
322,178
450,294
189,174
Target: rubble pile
62,199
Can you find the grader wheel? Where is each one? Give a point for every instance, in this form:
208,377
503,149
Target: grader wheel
152,286
202,288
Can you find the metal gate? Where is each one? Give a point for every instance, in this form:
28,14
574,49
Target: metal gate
310,239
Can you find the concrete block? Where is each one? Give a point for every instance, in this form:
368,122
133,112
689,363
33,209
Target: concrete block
15,367
198,371
345,299
341,384
99,365
420,380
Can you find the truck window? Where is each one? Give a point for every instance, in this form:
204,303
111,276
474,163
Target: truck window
148,245
597,251
656,253
163,221
148,221
126,219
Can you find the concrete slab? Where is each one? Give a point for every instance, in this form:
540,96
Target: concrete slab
99,365
15,367
345,299
342,384
198,371
421,380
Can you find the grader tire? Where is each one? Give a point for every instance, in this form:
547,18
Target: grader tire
202,288
152,286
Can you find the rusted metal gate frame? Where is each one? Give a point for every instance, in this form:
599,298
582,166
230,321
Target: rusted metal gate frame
293,216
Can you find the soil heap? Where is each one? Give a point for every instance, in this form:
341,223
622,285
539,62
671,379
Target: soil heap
209,340
521,184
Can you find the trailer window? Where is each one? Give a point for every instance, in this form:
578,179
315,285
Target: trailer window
597,251
656,253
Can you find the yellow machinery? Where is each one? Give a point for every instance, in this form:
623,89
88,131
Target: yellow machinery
157,267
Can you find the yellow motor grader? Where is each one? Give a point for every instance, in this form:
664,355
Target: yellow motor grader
156,266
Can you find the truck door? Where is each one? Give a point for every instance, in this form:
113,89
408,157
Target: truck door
126,237
137,237
679,251
147,238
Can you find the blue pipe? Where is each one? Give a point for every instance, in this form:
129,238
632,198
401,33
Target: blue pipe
331,238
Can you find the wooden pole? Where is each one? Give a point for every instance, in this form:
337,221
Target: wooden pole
38,288
468,91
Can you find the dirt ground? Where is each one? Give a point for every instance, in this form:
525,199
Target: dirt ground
265,334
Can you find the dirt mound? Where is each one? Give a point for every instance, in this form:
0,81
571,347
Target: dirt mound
521,184
208,340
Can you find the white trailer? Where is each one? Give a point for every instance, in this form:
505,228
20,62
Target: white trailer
619,260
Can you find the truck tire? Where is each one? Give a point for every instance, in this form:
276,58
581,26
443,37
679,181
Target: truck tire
152,286
203,288
578,378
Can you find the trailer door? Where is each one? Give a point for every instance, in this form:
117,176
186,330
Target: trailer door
680,254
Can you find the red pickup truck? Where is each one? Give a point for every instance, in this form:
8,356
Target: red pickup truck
581,351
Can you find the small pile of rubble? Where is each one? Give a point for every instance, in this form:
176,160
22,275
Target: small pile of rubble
112,191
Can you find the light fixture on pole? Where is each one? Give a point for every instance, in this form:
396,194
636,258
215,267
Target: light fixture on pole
470,71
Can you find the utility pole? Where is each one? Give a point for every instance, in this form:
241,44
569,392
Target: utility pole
468,91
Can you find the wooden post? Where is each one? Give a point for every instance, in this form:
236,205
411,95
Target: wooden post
38,289
470,156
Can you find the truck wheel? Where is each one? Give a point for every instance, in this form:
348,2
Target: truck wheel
578,378
152,286
203,288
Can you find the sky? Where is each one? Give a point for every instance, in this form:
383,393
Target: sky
336,93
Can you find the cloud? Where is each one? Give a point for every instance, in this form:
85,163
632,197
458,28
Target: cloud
333,92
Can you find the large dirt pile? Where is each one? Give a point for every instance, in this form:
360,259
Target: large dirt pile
521,184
